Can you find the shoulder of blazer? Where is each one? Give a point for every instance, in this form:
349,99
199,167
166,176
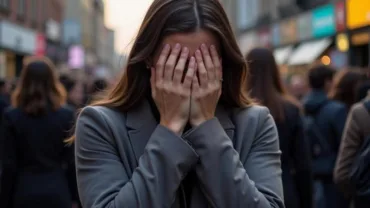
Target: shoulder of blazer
255,112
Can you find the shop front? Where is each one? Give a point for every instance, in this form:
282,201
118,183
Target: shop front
319,33
358,24
16,42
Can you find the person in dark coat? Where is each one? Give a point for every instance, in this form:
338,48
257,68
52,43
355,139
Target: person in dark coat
266,86
330,117
35,130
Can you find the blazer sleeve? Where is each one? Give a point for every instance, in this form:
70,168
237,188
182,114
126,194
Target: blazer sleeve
351,141
9,163
228,182
103,180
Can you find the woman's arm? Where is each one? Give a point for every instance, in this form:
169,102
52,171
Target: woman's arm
228,182
350,143
103,180
9,163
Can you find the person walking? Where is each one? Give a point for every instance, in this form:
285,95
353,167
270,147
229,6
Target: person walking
35,151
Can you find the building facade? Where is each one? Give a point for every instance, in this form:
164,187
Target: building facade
302,32
22,31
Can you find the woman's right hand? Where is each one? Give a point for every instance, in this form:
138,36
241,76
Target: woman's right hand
170,93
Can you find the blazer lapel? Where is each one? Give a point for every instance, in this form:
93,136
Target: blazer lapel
140,126
225,121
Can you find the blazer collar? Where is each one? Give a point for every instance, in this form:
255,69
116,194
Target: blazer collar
141,123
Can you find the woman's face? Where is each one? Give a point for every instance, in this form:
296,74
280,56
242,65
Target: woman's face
192,41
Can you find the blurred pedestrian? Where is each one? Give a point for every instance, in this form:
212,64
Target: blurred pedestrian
35,130
266,86
75,92
356,132
166,137
324,124
345,85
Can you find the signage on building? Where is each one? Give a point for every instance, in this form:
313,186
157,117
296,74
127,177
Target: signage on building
17,38
358,13
40,49
275,34
52,30
76,57
71,32
304,26
288,31
340,16
323,21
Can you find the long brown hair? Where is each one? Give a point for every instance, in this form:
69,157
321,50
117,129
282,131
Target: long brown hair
166,17
265,82
344,86
38,89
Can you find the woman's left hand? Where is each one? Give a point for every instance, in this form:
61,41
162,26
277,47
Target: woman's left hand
206,89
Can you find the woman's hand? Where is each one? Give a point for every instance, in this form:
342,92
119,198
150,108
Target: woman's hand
206,89
170,93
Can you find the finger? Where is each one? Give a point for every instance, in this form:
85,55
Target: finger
152,79
171,62
189,74
203,77
179,70
195,84
208,62
216,63
161,62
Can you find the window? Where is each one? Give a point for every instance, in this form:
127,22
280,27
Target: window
21,7
34,12
4,4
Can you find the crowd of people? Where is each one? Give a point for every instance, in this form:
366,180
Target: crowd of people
191,123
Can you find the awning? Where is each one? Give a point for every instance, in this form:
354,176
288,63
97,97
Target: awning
282,54
308,52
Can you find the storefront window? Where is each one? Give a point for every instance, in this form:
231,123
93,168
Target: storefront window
4,4
21,7
34,10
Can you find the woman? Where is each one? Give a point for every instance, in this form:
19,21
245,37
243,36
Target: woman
345,86
167,135
266,87
34,132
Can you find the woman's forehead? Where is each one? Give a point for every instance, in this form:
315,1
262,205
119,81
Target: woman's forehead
192,40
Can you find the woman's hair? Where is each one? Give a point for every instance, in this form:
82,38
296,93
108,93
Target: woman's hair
166,17
345,85
265,82
38,89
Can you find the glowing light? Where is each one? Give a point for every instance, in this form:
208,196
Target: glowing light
325,60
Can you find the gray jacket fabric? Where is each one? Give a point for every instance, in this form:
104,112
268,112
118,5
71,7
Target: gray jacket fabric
128,160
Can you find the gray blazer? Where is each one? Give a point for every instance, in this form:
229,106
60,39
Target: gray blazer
128,160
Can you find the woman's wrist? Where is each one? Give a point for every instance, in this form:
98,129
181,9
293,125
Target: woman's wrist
176,127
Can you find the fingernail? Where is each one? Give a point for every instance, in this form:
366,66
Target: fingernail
192,59
213,47
186,49
167,46
197,52
177,46
204,46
